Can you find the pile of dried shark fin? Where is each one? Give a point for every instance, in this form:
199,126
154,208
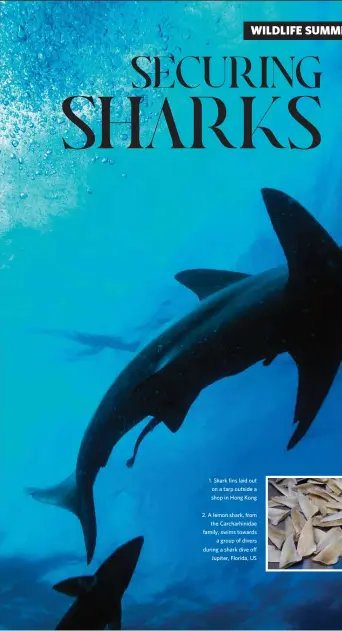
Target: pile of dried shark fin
304,521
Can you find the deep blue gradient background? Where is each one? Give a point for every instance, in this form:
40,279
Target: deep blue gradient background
93,246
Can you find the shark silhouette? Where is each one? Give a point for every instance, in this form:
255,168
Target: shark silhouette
240,320
98,597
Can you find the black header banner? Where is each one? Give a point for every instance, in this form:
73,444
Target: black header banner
292,30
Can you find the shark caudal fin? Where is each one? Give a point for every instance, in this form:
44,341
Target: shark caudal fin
67,496
315,379
64,495
315,268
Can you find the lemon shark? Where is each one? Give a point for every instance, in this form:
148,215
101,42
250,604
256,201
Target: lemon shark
98,597
240,320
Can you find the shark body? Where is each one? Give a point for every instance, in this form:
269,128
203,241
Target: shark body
239,321
98,597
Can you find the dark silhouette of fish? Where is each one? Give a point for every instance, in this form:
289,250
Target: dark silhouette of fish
239,321
98,597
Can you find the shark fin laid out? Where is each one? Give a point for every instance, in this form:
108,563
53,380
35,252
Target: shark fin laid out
149,428
75,586
66,496
316,375
310,251
205,282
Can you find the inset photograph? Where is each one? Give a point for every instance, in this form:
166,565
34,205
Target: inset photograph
304,523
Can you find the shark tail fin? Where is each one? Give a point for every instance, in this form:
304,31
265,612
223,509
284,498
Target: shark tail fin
67,496
64,495
316,375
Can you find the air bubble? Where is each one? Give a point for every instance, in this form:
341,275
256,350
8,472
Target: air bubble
23,195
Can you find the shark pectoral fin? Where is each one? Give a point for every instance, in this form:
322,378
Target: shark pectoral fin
205,282
309,249
66,496
75,586
316,375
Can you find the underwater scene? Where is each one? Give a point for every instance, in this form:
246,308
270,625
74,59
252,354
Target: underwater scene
92,243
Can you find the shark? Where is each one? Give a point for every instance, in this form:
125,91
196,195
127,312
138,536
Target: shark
98,597
240,320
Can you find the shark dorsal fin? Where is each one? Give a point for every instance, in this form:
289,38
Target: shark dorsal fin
75,586
309,249
205,282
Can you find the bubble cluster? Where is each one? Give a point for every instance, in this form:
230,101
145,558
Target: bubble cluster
52,50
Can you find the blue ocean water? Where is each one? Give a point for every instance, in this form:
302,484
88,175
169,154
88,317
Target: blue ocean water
90,242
